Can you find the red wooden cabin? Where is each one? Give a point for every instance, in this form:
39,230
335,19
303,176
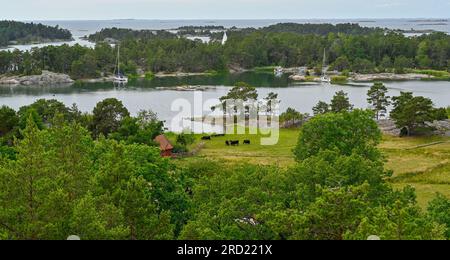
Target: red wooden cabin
164,145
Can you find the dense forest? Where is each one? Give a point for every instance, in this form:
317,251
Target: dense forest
368,52
216,32
120,34
12,31
100,176
304,29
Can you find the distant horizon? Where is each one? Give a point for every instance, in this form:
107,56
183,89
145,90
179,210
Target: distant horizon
228,19
55,10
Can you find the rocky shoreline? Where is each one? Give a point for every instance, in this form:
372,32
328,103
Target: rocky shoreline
440,128
371,77
46,78
388,76
187,88
52,78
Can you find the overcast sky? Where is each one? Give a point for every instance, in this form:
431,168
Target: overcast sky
221,9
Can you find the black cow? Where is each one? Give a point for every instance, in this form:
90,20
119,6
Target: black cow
204,138
234,143
247,142
227,143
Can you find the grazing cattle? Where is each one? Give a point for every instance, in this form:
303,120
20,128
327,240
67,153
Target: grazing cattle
204,138
227,143
234,143
218,135
247,142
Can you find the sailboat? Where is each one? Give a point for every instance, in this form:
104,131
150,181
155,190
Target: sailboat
119,77
325,78
278,71
225,38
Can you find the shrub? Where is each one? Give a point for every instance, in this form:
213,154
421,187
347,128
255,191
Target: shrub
339,79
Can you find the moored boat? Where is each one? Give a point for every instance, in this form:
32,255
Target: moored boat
119,77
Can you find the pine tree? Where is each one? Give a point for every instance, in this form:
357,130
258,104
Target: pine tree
378,99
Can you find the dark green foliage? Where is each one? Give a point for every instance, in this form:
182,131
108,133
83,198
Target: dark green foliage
85,67
348,47
108,116
340,103
321,108
412,112
62,183
9,121
46,109
263,203
185,139
402,63
30,114
331,169
56,181
7,152
439,211
341,64
321,29
378,100
440,114
348,133
363,66
120,34
242,91
134,131
291,116
29,32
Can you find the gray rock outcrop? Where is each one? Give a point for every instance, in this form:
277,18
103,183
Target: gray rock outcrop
388,127
46,78
441,127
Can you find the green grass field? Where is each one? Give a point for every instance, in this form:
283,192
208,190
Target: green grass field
426,168
413,160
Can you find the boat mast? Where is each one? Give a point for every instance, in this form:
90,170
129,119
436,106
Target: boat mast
324,62
118,59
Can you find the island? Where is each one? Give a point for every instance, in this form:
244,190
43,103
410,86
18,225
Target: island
13,32
343,51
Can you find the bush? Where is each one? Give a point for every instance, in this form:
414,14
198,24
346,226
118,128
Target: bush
345,73
178,148
363,66
348,133
339,79
437,74
185,139
7,152
149,75
402,63
441,114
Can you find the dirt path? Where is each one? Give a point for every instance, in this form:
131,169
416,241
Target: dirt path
427,145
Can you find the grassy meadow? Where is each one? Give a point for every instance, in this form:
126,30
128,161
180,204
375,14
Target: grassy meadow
422,162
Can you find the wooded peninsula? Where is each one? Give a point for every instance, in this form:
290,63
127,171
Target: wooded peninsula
348,48
12,32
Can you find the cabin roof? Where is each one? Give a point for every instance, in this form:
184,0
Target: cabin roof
164,143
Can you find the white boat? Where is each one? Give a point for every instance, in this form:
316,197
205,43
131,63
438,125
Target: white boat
119,77
278,71
225,38
325,79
